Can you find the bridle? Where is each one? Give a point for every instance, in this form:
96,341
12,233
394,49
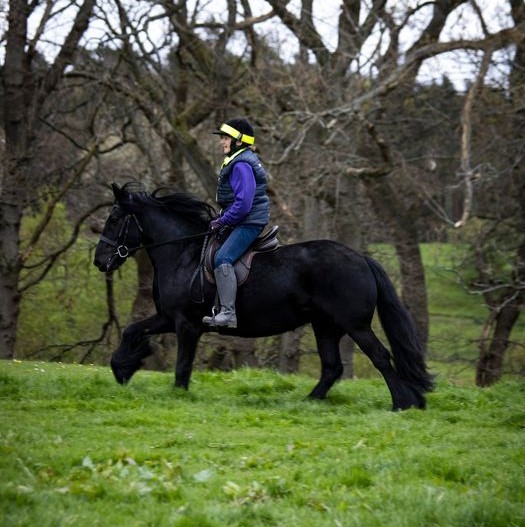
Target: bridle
120,242
121,249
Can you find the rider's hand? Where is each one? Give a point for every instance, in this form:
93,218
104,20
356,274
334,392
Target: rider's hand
216,225
219,230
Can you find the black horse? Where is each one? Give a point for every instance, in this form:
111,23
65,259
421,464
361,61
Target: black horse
323,283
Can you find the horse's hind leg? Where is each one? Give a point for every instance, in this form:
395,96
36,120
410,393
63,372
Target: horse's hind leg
327,337
403,395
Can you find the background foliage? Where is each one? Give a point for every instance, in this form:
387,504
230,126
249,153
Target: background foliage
364,143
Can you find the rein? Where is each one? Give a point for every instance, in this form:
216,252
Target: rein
167,242
123,251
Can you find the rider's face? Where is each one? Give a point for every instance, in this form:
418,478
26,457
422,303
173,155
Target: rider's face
226,143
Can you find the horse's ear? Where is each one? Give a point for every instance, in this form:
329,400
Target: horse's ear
122,195
116,190
119,193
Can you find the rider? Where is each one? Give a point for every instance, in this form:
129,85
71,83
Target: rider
245,211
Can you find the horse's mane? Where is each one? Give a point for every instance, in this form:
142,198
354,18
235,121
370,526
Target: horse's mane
181,203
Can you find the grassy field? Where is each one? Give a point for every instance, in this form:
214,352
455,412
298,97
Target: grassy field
246,449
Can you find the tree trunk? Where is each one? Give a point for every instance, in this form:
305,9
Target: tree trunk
290,354
22,105
243,351
347,347
490,364
12,187
143,304
227,353
406,240
413,286
10,217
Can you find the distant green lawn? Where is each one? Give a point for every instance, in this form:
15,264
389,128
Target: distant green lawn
246,449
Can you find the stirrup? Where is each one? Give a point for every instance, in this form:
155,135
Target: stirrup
209,320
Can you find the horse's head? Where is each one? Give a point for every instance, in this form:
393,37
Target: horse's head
121,236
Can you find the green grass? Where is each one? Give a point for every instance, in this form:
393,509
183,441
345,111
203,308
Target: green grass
246,449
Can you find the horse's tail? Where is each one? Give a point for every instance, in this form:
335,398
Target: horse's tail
400,331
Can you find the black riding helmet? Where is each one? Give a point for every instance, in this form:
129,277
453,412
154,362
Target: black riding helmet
239,129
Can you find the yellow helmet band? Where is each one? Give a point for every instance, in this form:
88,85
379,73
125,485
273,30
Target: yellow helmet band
239,136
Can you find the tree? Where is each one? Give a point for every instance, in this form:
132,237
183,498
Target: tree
505,295
349,108
26,92
349,132
363,103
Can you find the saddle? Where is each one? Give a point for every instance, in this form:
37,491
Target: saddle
265,242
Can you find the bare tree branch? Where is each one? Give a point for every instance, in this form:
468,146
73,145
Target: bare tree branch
66,54
58,196
467,173
90,344
50,259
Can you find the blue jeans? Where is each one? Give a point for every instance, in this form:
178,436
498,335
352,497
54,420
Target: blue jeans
236,244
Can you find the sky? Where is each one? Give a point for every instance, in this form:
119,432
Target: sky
462,24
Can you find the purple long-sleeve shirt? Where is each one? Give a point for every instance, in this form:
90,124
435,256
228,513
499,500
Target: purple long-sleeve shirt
243,184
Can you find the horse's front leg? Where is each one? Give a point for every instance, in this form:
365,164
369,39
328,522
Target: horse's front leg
135,347
187,338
